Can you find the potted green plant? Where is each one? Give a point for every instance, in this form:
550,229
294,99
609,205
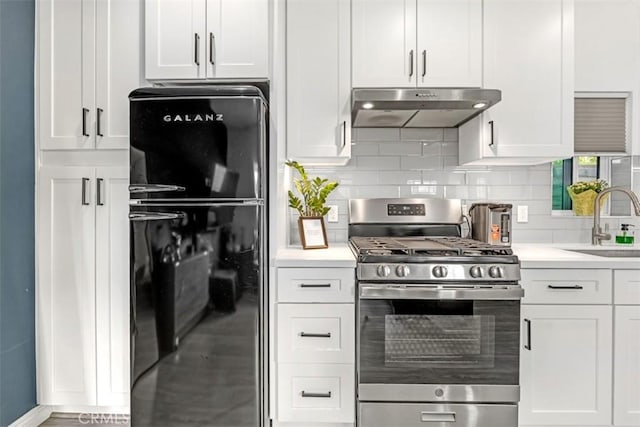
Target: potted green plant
311,205
584,193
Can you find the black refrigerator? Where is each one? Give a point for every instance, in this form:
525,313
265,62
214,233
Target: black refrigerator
198,277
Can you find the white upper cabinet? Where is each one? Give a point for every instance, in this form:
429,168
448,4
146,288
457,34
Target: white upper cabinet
449,44
237,38
174,39
88,60
608,60
197,39
528,55
424,43
384,42
118,69
318,81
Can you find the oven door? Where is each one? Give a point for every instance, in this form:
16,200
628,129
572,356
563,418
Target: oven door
432,343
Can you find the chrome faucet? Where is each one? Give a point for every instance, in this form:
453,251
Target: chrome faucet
597,236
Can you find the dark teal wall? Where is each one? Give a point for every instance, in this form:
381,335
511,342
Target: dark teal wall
17,278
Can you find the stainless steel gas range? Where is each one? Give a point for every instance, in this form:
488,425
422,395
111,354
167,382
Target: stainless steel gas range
438,318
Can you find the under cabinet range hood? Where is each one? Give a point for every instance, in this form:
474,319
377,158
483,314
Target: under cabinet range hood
419,108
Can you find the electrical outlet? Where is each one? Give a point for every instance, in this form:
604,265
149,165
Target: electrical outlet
523,213
465,209
332,216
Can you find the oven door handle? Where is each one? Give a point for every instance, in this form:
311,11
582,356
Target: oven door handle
381,291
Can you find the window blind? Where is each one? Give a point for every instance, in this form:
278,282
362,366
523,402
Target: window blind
600,125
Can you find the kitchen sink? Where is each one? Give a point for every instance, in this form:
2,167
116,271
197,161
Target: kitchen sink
610,253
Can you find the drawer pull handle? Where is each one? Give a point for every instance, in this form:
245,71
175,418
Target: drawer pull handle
527,346
306,394
312,335
315,285
565,287
437,417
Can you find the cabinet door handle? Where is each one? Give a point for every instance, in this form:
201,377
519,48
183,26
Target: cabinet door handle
99,185
196,49
85,182
411,63
424,63
491,133
577,287
310,394
344,133
85,111
315,335
315,285
527,346
99,112
212,43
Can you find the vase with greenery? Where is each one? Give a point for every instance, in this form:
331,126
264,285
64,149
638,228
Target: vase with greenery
313,193
584,193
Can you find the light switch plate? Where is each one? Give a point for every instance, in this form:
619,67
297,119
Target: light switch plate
332,216
523,213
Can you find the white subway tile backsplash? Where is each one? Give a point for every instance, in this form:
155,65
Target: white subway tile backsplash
450,149
364,148
379,162
423,162
431,148
400,177
399,148
372,191
444,178
487,178
451,134
377,134
426,134
428,191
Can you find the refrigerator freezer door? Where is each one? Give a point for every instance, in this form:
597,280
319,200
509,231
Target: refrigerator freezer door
196,303
192,146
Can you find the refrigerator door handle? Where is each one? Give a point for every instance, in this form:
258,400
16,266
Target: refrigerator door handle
154,188
155,216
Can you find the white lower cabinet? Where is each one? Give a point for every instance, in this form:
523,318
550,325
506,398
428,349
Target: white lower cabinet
83,286
626,372
315,346
316,393
565,372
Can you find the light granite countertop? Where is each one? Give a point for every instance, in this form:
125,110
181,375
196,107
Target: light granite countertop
334,256
531,255
559,255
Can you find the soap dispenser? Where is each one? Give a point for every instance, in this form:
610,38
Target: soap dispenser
624,236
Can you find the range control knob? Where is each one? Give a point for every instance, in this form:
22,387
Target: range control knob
439,271
496,272
384,270
402,271
476,271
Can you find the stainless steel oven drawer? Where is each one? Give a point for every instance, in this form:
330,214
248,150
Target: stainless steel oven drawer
434,415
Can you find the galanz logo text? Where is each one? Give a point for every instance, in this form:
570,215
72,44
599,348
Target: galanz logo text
193,118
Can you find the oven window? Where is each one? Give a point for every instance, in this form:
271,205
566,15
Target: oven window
439,341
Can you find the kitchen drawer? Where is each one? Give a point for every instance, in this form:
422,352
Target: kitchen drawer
566,286
422,415
316,393
626,287
316,333
316,284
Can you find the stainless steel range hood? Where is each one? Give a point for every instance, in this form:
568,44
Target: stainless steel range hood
419,108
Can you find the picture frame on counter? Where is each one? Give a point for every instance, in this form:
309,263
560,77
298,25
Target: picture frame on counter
313,234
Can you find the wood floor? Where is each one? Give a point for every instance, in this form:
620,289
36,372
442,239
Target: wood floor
81,421
211,380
